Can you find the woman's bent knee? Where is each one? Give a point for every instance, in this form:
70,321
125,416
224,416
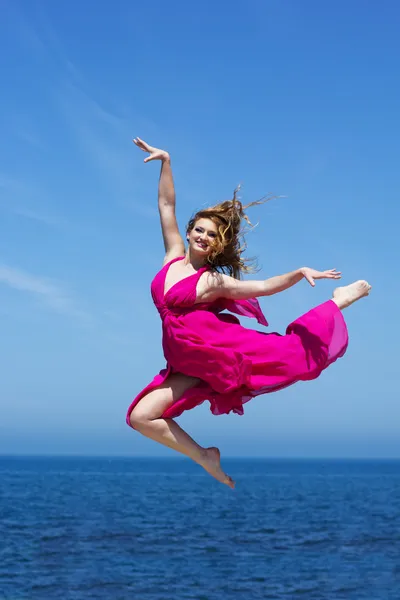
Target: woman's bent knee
153,405
138,418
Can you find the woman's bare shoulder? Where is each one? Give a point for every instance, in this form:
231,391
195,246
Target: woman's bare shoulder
211,285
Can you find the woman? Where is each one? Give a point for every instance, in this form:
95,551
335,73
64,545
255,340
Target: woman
210,356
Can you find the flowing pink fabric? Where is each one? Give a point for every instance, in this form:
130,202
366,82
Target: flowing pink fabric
233,363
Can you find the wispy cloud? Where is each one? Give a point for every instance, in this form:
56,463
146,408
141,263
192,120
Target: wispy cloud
104,140
106,143
27,34
40,217
21,199
8,184
26,133
101,124
50,293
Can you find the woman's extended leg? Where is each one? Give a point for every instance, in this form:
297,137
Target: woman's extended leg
146,418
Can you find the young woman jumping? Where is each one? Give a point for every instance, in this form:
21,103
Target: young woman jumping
210,355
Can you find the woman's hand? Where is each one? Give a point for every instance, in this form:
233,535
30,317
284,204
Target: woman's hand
312,274
155,153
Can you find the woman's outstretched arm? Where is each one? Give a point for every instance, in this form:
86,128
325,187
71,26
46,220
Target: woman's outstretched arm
215,285
173,241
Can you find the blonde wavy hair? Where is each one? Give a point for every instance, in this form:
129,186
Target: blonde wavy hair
229,245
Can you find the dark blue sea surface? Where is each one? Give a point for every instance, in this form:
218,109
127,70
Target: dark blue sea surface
160,529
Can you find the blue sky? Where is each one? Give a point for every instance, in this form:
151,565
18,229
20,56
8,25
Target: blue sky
295,98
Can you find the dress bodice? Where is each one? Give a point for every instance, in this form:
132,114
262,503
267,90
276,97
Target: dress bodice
181,298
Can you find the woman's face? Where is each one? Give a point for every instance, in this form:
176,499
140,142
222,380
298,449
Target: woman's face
202,237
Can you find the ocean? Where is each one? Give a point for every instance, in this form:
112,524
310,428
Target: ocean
161,529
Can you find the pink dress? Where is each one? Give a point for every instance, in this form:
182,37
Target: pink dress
233,363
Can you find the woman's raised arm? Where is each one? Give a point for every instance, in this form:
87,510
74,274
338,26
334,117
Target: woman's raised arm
173,241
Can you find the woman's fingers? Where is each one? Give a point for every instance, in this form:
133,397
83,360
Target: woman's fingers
142,145
333,274
310,279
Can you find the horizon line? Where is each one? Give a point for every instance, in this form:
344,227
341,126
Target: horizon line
229,457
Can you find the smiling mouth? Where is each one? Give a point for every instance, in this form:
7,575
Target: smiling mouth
204,246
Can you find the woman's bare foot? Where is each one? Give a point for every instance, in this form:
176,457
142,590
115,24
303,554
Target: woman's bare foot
344,296
211,462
